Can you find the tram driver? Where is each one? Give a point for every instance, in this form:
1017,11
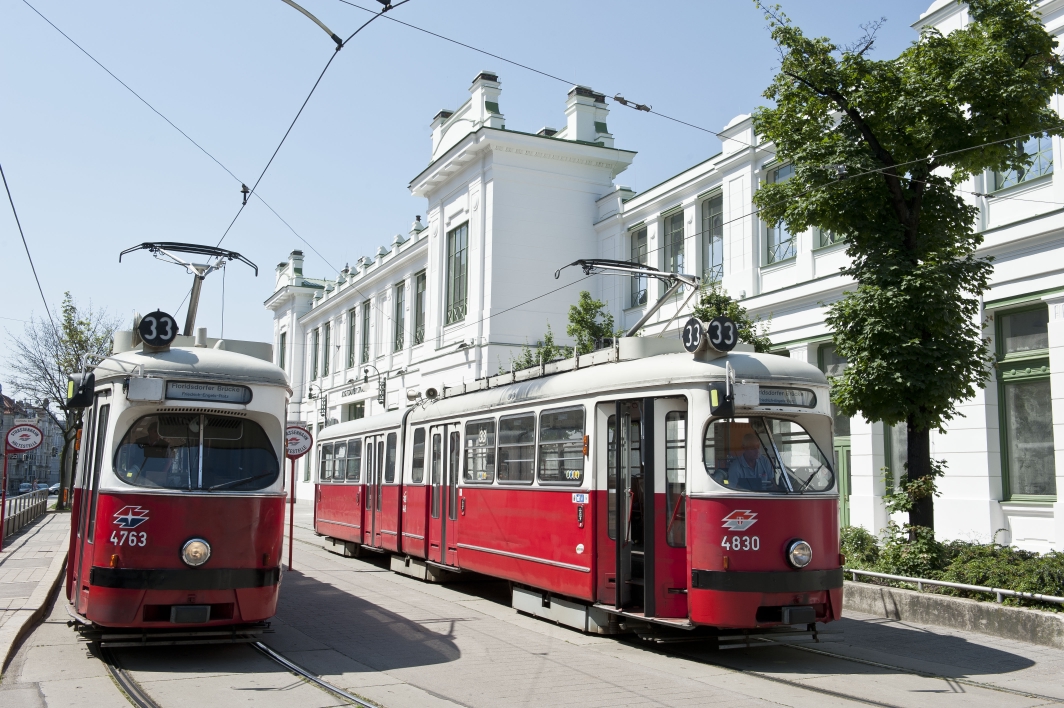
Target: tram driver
751,469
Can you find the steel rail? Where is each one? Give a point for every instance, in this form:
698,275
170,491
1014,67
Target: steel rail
1001,593
300,671
126,683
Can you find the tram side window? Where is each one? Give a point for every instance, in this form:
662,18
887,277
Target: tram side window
517,448
437,473
561,443
480,452
417,474
389,459
339,461
163,452
325,458
354,460
676,478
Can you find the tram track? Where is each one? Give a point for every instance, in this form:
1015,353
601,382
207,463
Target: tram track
139,697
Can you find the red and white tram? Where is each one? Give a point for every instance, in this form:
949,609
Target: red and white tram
179,501
628,484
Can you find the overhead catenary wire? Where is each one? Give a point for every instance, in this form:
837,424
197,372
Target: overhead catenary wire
26,246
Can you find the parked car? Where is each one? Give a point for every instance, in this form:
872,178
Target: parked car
54,489
25,488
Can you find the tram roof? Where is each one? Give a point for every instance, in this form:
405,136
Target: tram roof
622,378
193,362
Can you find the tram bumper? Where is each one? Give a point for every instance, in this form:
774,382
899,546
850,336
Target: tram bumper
743,599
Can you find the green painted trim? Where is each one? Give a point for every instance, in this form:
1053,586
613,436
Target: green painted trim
600,127
640,225
1046,500
717,191
1029,372
1021,299
670,211
492,107
1023,221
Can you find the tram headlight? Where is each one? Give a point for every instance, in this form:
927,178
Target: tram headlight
196,552
799,553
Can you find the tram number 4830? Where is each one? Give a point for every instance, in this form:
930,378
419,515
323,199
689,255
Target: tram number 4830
741,543
129,538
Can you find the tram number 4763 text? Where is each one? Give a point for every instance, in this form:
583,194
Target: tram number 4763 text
741,543
129,538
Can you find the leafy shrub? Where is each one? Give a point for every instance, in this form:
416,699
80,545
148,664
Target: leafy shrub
860,548
910,550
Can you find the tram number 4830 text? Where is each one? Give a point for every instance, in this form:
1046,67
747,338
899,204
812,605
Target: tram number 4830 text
741,543
129,538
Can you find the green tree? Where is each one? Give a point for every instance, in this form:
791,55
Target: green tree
713,301
546,351
879,149
588,322
43,356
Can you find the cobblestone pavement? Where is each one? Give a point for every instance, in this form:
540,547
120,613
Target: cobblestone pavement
25,559
403,643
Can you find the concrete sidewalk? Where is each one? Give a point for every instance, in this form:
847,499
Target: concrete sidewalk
31,567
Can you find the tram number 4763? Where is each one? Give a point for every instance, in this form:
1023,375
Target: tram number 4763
741,543
129,538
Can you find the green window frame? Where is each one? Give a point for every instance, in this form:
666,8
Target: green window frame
639,255
400,317
1039,148
365,333
420,295
325,349
672,247
457,273
315,340
352,320
833,365
713,238
781,244
282,348
1028,465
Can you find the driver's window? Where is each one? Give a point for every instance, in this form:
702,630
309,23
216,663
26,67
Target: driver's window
737,458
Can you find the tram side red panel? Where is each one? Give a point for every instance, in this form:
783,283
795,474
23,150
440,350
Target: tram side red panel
388,516
536,525
415,513
778,521
244,532
338,512
72,548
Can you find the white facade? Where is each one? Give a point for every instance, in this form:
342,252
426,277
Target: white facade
535,202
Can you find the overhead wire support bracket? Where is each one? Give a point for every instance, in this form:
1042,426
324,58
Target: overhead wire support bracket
675,281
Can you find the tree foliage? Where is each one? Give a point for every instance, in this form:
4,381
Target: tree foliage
879,149
43,356
589,322
714,301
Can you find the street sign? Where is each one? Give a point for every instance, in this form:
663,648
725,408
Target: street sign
298,441
157,329
24,437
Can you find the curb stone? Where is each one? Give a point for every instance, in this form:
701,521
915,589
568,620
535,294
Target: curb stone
24,620
1018,623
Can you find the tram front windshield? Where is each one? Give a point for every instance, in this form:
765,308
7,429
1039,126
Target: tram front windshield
165,452
765,455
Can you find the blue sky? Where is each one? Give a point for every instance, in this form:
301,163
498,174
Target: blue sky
94,171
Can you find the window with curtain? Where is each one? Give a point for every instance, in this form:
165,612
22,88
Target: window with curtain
639,255
457,274
713,238
781,243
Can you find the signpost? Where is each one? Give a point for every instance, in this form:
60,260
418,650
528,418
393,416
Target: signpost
297,442
22,438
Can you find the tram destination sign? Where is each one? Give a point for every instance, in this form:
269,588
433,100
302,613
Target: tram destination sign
786,397
205,391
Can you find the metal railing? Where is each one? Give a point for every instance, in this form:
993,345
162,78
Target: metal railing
1000,593
23,509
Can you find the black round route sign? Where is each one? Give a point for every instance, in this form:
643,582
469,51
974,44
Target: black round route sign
693,335
157,329
722,334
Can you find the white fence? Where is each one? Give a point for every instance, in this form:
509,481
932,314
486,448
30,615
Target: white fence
1000,593
23,509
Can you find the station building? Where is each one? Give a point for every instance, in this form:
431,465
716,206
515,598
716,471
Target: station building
473,281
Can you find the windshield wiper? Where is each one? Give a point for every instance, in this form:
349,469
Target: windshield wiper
237,482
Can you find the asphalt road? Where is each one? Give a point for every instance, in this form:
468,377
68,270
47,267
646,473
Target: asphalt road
399,642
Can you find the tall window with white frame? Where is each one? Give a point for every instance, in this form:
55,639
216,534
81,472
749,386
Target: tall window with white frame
365,333
457,273
1026,410
781,244
639,255
420,293
315,341
282,348
672,246
1039,151
713,238
399,319
352,347
326,348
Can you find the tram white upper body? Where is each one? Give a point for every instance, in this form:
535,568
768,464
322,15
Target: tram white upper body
671,375
175,373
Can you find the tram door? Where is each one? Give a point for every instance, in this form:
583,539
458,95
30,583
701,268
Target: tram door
93,458
445,454
618,478
371,520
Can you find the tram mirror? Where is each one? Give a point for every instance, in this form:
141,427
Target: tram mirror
80,388
721,405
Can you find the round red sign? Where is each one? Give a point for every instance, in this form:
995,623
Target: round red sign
24,437
298,441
